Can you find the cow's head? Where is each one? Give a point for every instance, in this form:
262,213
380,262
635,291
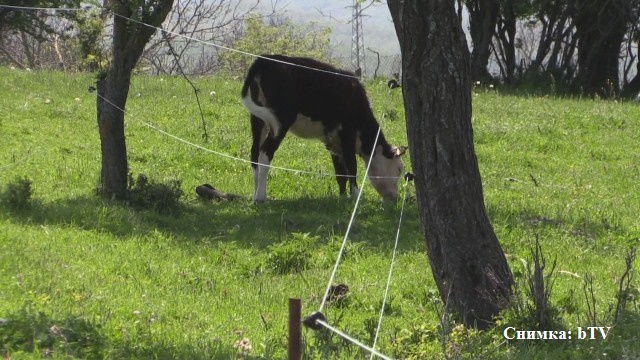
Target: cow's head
386,170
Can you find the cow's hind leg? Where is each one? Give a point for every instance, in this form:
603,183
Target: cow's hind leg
259,131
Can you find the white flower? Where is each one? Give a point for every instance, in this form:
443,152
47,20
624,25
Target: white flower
243,346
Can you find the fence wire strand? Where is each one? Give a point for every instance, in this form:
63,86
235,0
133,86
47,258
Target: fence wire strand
231,157
31,8
393,259
360,192
346,234
352,340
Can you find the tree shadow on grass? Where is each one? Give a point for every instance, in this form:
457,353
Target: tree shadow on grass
238,221
532,220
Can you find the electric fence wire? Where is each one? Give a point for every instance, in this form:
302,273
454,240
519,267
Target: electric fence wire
234,50
346,234
32,8
352,340
342,248
221,47
341,252
209,43
393,259
224,155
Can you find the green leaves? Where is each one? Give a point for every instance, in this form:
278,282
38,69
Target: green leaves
291,255
284,38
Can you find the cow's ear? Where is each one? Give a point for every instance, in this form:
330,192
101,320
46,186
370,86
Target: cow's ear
399,151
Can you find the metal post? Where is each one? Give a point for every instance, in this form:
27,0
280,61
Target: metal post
295,333
357,40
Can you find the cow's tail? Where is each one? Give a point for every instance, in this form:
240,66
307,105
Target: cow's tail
254,70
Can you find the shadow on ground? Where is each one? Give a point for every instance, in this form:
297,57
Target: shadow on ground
238,221
27,331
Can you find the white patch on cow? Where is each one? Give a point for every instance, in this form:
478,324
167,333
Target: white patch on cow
385,173
260,181
255,171
307,128
262,112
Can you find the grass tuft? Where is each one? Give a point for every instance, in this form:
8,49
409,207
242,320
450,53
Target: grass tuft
17,193
148,194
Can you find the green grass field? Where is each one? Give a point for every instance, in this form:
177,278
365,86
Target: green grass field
84,277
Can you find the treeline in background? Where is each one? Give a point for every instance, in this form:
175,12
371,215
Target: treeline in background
560,46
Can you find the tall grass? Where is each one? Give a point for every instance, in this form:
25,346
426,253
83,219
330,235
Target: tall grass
84,277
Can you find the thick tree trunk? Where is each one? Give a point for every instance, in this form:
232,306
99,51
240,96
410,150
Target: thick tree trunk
506,34
556,28
633,87
600,29
129,40
114,173
467,262
483,15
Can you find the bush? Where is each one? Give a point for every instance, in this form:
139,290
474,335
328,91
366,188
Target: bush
148,194
291,255
32,331
17,194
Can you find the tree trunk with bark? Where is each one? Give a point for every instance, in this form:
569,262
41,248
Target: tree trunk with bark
129,40
600,29
466,259
483,15
506,36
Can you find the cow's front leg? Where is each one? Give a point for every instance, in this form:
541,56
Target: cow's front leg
260,132
350,165
260,177
263,163
341,173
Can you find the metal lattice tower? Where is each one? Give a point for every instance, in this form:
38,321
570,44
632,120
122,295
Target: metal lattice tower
357,39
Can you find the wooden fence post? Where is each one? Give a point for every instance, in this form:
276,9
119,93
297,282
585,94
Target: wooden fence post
295,333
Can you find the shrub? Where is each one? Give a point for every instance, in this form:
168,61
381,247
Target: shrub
32,331
17,194
291,255
148,194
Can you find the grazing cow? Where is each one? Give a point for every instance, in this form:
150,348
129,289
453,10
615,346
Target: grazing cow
314,100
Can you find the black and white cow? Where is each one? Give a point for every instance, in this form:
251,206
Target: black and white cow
329,105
